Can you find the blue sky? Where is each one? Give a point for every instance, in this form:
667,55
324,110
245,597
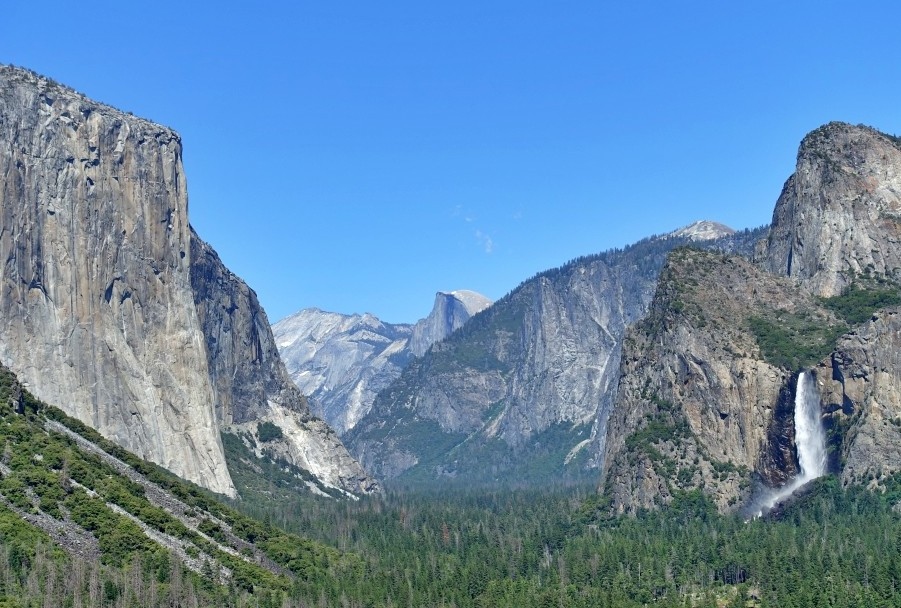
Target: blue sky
359,156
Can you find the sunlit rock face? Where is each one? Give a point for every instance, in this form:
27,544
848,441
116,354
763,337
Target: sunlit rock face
699,405
839,214
95,289
115,311
451,310
521,392
343,361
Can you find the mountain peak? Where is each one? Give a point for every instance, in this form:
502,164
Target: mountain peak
703,230
473,301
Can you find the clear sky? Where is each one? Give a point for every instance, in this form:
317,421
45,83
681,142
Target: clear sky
360,156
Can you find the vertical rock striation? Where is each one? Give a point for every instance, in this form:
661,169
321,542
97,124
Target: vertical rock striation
861,387
111,307
95,293
839,214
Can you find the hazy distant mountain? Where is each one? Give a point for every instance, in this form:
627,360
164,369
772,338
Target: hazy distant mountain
520,393
343,361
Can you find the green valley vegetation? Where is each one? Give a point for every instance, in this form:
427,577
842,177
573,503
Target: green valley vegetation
85,523
793,340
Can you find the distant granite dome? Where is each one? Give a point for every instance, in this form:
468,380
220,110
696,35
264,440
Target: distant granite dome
451,310
343,361
703,230
520,393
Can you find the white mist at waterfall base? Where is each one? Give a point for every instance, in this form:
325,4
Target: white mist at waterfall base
810,441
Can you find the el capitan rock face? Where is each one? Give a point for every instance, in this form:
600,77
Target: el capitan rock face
95,291
99,315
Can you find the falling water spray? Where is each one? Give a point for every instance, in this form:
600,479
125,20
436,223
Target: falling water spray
810,441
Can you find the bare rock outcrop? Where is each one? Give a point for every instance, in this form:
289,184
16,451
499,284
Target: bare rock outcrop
861,388
699,406
521,392
343,361
250,382
451,310
114,310
95,293
839,214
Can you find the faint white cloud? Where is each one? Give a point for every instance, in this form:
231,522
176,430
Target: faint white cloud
465,214
485,241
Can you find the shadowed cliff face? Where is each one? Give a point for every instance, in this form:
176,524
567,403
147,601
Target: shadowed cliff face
97,311
839,214
96,299
250,382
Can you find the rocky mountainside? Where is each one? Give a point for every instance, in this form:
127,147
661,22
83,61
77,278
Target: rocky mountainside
708,380
101,503
450,311
699,405
343,361
98,288
522,389
839,214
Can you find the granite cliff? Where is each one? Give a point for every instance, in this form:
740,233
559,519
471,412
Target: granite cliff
700,406
99,314
839,214
343,361
520,392
708,379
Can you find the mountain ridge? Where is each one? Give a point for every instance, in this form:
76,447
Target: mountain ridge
343,361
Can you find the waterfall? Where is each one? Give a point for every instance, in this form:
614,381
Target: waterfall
810,441
810,438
